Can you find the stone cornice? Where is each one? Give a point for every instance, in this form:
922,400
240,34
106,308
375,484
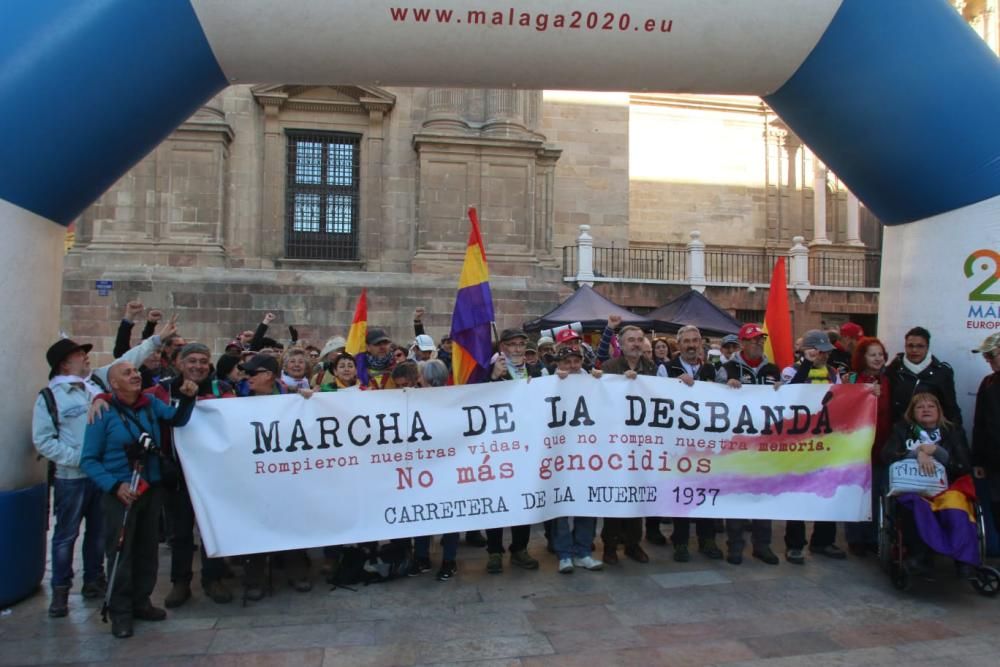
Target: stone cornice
701,102
365,99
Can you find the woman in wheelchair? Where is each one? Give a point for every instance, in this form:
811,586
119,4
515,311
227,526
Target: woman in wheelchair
926,436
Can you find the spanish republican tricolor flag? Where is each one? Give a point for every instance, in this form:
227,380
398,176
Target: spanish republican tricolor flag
779,344
472,321
356,335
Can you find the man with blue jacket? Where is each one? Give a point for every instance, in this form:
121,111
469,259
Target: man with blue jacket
112,449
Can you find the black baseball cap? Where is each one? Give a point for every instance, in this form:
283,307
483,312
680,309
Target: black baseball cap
376,336
260,362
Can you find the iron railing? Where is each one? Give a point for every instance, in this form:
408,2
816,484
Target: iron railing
631,263
846,271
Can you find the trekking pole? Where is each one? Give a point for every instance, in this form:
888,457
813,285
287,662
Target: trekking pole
132,486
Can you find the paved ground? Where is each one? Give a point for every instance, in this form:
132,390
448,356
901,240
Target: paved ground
663,613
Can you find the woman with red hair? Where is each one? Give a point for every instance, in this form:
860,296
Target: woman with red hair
868,364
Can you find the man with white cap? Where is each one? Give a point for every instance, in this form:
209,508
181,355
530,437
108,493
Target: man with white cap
986,425
423,348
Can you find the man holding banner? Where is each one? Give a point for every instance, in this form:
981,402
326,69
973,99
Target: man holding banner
631,364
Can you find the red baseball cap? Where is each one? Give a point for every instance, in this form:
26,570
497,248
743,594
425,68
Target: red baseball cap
851,330
750,331
566,335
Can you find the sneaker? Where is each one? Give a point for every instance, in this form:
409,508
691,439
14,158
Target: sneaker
795,556
765,554
178,595
681,553
523,560
218,592
494,565
447,571
94,589
710,549
565,566
734,557
302,585
830,551
588,563
418,566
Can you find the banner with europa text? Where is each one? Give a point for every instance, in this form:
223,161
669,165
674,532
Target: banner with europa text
283,472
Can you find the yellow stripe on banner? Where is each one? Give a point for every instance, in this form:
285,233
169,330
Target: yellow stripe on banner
953,500
473,268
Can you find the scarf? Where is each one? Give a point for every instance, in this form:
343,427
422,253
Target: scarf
293,383
91,388
917,369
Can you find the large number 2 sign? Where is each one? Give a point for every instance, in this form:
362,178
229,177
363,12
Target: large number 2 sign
991,273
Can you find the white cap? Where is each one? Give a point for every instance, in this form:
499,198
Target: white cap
332,345
424,342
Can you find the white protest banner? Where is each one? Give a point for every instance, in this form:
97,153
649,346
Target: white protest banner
284,472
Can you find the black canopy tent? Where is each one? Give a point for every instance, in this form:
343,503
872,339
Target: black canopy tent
589,309
693,308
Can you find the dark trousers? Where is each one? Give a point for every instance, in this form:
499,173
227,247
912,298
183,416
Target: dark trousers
519,536
824,534
652,524
138,561
760,534
77,500
627,531
182,520
705,529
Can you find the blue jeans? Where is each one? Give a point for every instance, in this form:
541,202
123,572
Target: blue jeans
449,546
74,501
573,542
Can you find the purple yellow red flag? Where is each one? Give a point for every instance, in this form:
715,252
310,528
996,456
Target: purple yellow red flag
472,319
947,522
778,346
356,336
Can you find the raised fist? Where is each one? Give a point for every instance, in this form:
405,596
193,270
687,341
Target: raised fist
614,321
270,317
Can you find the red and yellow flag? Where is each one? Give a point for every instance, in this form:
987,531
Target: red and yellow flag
472,319
359,326
779,344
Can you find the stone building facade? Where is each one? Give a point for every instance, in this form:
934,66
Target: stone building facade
291,198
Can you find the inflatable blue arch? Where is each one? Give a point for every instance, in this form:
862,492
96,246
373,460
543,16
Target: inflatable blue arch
897,97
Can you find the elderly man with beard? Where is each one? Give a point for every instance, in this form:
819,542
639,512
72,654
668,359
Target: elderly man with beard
113,448
194,364
689,368
632,363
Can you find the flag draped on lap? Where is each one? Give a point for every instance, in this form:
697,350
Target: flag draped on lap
472,320
947,522
356,336
778,346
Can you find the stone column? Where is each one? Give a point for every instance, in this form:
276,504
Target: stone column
696,262
853,220
504,113
444,110
585,257
819,203
798,255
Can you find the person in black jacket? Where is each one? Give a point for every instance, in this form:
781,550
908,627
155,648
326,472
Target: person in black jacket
986,425
926,435
916,369
750,366
689,368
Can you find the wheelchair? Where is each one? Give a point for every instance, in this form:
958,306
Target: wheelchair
984,579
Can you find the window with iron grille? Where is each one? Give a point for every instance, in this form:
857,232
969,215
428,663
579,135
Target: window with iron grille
322,195
755,316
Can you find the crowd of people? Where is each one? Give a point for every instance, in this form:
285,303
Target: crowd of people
108,433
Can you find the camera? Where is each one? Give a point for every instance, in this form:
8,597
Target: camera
144,445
